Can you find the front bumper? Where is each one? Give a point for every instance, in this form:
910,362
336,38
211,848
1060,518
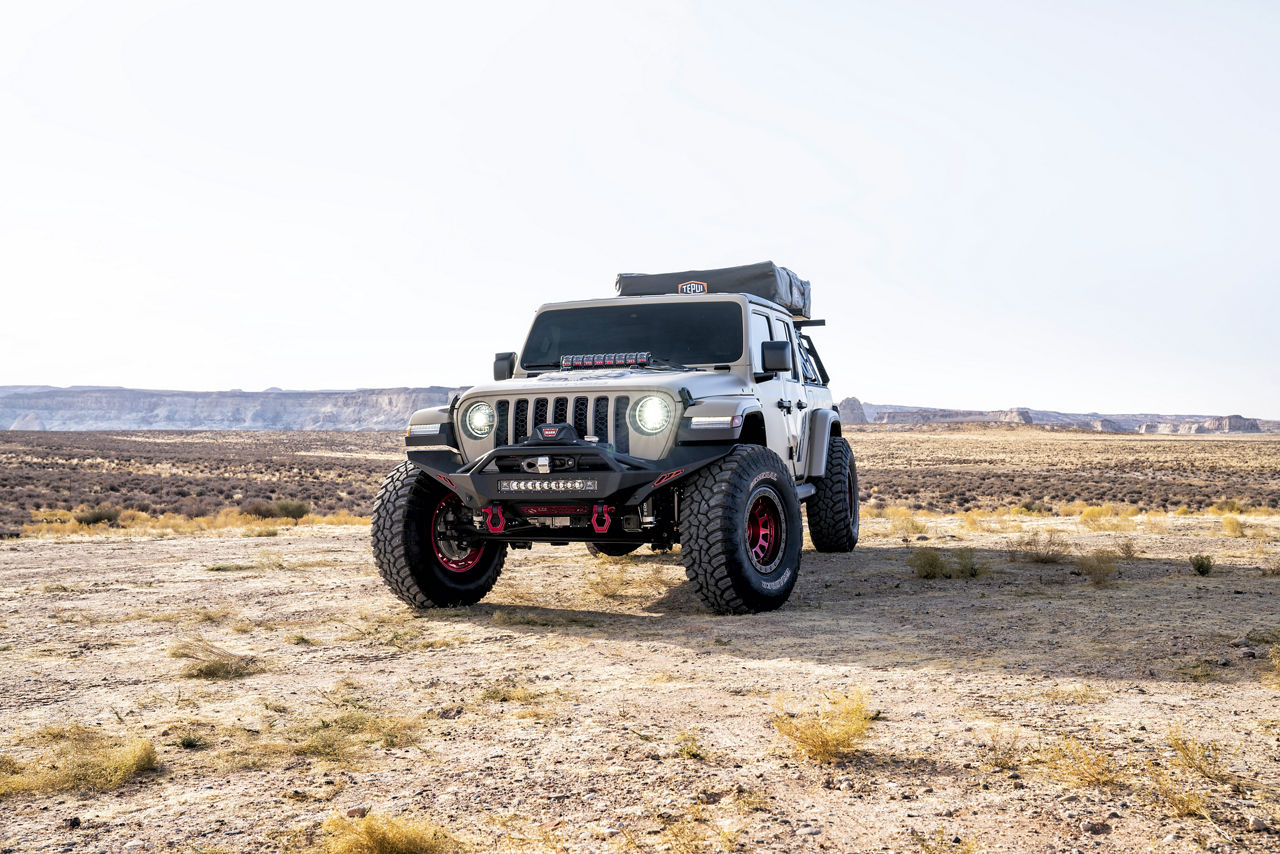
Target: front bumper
576,472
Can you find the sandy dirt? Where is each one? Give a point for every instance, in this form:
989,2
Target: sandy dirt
636,720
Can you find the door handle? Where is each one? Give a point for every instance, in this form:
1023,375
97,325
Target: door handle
800,404
785,406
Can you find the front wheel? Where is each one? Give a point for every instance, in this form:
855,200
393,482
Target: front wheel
420,543
740,534
833,508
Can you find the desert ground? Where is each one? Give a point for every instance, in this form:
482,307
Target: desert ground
1076,686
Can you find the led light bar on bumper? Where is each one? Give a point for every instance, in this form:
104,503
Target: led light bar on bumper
562,485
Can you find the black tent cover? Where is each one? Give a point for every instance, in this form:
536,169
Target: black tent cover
766,279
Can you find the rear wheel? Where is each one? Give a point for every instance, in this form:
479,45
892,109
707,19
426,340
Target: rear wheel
420,544
740,532
611,549
833,508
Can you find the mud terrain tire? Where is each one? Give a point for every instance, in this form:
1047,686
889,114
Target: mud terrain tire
422,568
611,549
740,533
833,508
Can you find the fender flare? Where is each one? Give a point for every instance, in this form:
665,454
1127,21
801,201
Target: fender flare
822,425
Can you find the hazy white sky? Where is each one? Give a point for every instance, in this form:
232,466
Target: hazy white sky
1057,205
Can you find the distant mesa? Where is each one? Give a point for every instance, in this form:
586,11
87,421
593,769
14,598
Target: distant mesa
137,409
875,413
1226,424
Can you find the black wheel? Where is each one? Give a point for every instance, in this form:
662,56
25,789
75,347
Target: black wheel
740,532
417,548
611,549
833,508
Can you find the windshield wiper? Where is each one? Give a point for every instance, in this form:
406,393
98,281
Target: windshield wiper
667,364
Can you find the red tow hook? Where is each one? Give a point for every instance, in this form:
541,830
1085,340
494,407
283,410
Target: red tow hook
600,518
498,525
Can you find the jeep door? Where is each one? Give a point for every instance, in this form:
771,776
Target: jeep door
783,419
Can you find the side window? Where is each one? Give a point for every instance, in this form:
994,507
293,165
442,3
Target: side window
807,367
760,331
782,332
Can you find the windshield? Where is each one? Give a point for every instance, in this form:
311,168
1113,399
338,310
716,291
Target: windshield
699,333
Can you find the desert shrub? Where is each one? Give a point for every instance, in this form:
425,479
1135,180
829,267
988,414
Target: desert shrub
904,524
1209,759
1202,564
1037,547
211,662
1108,517
1001,750
81,758
830,732
928,563
1175,798
1127,548
375,834
288,509
965,564
1228,505
508,691
1232,527
1083,764
258,509
1099,565
86,515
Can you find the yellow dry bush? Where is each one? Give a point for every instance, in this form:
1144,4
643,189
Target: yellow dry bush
58,523
1040,547
376,834
944,842
1002,749
1099,566
832,731
1232,527
80,759
1080,763
1206,758
211,662
1173,796
1108,517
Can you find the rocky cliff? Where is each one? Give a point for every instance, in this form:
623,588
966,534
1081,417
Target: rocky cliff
1225,424
133,409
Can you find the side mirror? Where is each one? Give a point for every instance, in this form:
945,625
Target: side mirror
504,366
775,357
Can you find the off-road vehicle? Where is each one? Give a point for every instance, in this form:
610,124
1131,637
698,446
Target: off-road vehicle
692,408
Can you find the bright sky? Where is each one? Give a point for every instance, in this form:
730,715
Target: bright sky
1070,206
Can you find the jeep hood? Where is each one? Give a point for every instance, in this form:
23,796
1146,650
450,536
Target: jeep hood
610,380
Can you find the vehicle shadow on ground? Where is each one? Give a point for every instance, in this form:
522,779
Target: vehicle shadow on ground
1155,620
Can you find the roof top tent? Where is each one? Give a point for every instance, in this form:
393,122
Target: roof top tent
766,280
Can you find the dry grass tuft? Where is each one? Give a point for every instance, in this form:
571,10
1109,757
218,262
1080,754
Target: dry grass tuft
1178,800
1232,527
1127,548
1206,758
80,759
1078,762
1038,547
961,563
1001,750
832,731
608,581
942,842
375,834
508,691
212,662
1099,566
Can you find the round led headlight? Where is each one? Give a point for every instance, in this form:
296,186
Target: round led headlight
478,420
652,414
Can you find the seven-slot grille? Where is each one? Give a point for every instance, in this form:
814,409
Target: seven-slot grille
600,416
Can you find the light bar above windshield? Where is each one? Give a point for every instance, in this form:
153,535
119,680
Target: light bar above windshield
604,360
